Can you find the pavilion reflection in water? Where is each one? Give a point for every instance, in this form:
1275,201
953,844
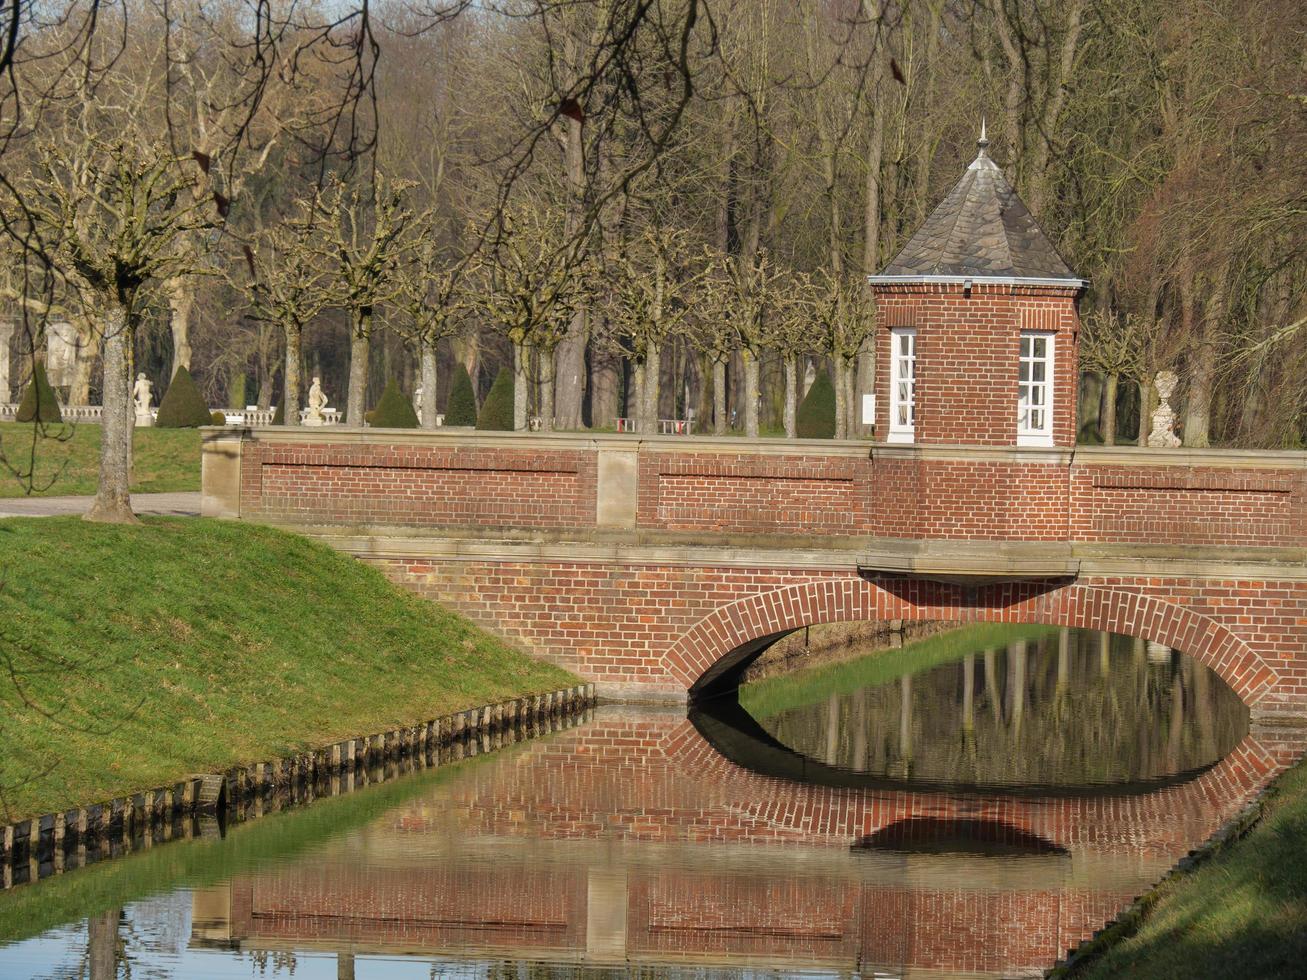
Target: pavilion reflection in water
631,840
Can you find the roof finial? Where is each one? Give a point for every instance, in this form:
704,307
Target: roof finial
983,142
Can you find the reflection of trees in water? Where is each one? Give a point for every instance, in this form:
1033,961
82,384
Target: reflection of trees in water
1076,707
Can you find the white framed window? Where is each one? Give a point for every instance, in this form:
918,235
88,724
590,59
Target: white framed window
1035,389
902,384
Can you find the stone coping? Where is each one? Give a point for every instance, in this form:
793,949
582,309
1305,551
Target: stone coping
1034,559
766,446
55,842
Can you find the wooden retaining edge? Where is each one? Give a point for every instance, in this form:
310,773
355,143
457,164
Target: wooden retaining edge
209,794
1129,921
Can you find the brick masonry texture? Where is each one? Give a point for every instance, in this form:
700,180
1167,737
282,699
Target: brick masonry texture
598,838
661,625
967,357
666,625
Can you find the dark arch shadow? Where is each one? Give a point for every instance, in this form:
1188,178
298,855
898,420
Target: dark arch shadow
737,736
933,835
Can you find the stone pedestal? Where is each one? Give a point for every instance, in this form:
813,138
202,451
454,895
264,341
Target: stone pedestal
144,420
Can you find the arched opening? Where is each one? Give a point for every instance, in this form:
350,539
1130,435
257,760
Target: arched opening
709,657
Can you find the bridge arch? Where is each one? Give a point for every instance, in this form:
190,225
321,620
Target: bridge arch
737,631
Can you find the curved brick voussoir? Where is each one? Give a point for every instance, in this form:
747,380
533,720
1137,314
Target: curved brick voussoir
728,635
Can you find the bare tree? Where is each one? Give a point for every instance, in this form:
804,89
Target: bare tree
110,215
364,239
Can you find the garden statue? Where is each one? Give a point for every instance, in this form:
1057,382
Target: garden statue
1163,434
317,402
141,395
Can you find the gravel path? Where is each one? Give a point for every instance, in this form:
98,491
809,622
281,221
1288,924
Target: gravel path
167,504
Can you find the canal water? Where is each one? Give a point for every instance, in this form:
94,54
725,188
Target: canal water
973,804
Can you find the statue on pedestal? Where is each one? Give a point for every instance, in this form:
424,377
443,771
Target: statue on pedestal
1162,435
317,402
141,396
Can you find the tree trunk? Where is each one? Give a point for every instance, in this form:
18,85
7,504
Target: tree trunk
791,395
548,364
88,350
750,360
113,502
841,399
181,302
1145,412
1107,414
568,372
360,349
719,397
1202,368
428,384
650,379
291,376
605,379
520,357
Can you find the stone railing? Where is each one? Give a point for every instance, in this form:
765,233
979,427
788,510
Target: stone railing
70,413
666,427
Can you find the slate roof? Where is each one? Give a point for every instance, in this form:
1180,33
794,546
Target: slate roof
981,230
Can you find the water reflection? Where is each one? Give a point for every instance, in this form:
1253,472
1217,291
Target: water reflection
1042,708
631,844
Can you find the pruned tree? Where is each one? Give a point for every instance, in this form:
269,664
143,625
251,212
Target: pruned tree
288,285
108,216
364,240
534,280
433,302
652,278
846,315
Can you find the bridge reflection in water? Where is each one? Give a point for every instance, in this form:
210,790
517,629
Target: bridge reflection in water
633,840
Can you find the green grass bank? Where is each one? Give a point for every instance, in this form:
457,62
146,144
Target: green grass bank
130,657
64,460
1242,913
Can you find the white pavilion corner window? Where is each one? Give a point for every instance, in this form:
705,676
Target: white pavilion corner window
1035,390
902,384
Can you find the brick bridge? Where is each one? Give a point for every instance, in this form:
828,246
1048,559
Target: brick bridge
631,839
657,566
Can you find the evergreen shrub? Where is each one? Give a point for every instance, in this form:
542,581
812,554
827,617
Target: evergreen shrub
497,410
394,411
816,416
182,407
462,406
39,403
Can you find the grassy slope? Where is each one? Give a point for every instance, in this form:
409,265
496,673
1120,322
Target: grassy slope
185,646
67,460
1241,914
769,697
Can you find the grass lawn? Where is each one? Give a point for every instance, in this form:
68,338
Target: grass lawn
1241,914
812,685
67,460
130,657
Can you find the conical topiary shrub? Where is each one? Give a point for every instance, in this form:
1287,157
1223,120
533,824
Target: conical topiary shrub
462,406
182,407
816,417
39,403
497,410
394,411
279,413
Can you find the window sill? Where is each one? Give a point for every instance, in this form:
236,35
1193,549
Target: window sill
1036,440
901,436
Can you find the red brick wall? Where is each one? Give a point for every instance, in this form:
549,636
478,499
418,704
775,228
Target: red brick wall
417,485
663,626
1193,505
967,358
